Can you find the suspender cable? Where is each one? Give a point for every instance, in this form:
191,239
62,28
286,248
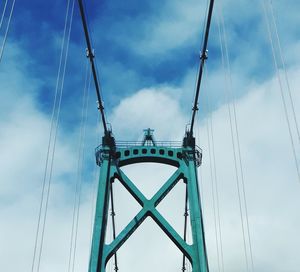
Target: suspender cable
3,13
113,214
186,214
91,57
55,116
284,102
7,29
238,165
95,186
79,175
214,178
213,197
203,57
285,70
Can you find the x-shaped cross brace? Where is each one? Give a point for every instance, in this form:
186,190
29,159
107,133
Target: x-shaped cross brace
148,209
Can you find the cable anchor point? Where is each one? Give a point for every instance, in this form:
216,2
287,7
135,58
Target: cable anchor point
99,107
204,55
90,54
195,108
113,214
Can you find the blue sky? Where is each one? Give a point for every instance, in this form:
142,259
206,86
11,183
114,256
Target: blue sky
147,54
135,44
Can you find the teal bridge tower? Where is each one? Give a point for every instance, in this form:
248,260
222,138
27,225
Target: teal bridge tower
186,159
111,156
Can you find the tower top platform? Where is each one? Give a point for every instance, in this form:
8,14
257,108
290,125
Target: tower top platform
166,152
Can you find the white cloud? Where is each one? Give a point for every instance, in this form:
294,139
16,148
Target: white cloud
154,108
177,25
173,25
271,182
23,142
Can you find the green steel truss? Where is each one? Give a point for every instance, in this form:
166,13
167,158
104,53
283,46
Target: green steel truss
186,159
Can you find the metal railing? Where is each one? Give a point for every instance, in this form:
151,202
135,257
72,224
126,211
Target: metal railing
128,144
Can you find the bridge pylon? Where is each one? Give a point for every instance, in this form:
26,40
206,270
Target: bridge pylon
186,158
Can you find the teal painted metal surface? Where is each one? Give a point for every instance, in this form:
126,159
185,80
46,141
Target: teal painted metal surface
186,159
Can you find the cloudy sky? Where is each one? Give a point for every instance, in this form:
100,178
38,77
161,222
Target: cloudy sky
147,54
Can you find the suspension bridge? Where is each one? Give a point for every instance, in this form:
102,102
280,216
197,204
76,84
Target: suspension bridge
202,249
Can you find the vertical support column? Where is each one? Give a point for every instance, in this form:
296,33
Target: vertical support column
200,258
97,262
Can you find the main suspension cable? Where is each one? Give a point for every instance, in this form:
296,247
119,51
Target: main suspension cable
203,58
91,57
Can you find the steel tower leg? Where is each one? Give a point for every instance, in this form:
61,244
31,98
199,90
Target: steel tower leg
101,214
200,258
